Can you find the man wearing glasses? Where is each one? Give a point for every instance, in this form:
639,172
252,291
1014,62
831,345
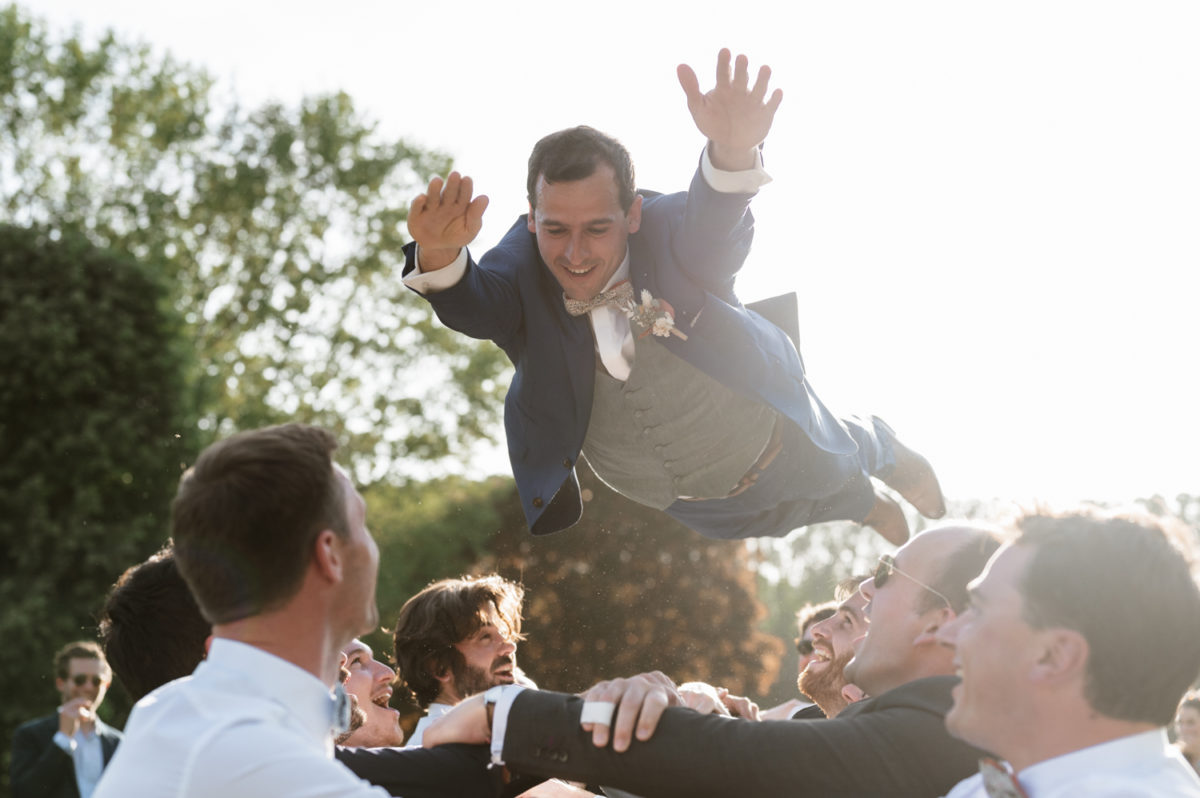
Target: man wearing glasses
893,743
63,755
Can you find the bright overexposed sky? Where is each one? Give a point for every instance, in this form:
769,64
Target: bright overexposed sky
990,211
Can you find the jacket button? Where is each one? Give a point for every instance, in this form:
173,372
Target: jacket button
537,501
566,462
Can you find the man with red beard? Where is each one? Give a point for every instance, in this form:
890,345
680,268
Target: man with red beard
823,679
456,638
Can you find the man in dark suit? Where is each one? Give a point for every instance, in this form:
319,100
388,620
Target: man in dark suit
892,744
63,755
630,345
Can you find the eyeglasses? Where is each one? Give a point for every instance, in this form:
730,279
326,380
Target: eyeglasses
804,647
80,679
887,566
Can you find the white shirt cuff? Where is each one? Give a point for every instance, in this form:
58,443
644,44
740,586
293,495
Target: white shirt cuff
438,279
64,742
748,181
508,694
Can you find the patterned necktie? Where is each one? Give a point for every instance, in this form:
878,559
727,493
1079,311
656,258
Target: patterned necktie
619,294
998,780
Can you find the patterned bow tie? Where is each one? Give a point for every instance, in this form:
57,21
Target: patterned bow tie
619,294
998,780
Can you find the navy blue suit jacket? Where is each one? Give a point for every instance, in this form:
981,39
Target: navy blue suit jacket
40,768
687,251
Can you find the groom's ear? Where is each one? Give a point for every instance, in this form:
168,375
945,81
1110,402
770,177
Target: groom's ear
634,216
531,221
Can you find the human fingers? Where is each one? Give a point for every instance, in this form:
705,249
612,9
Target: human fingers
452,189
466,188
741,72
476,208
723,58
760,84
689,82
433,194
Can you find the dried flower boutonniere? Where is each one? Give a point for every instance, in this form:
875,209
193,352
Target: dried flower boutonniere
653,316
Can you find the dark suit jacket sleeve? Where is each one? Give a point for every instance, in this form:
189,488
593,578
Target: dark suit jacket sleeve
39,767
448,771
715,236
900,748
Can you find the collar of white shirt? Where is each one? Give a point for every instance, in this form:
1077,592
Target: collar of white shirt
300,694
1130,756
614,339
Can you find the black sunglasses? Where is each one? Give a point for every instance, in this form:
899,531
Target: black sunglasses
887,567
81,679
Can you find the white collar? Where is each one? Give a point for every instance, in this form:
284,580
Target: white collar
260,674
1122,754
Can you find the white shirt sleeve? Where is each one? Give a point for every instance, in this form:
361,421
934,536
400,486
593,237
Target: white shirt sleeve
438,279
748,181
508,694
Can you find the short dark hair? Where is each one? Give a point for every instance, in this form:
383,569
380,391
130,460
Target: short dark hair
961,566
443,614
247,514
574,154
1125,583
151,628
80,649
1191,700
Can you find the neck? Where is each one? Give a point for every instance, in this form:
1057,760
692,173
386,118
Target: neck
447,697
296,633
1053,737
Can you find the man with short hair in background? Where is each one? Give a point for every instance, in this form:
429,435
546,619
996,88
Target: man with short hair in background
151,628
1081,637
63,755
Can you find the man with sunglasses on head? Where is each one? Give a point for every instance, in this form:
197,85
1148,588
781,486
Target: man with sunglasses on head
893,743
63,755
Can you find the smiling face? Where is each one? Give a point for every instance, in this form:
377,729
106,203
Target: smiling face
899,645
996,654
370,681
582,231
833,647
489,656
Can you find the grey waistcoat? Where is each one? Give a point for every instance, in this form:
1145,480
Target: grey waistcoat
671,431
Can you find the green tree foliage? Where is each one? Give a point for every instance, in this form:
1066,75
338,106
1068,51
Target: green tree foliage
629,590
279,226
625,591
95,423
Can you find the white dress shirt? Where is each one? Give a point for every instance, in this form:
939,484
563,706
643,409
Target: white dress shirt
87,755
433,712
245,724
614,339
1128,767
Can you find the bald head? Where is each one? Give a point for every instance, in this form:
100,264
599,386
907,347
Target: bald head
908,601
